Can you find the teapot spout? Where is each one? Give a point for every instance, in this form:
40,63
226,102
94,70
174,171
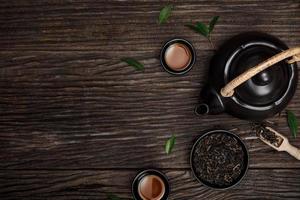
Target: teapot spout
202,109
212,103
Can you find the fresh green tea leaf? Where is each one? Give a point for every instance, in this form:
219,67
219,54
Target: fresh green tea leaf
164,14
203,29
212,23
134,63
113,197
199,29
193,27
293,123
170,144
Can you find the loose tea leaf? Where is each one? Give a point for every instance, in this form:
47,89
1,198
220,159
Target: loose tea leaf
113,197
219,160
170,144
293,123
134,63
203,29
165,13
269,136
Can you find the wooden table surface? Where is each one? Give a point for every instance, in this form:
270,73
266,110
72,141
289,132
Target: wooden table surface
77,123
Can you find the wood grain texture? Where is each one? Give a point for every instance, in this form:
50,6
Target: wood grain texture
129,28
76,123
75,110
85,184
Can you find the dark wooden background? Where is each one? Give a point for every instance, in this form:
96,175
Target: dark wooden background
76,123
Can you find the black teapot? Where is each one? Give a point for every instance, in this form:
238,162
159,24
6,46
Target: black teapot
252,76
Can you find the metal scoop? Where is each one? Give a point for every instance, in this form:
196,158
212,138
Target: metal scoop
277,141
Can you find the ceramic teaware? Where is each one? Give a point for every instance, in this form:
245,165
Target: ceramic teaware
177,56
252,76
150,184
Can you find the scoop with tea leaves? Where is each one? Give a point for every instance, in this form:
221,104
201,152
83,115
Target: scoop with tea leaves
277,141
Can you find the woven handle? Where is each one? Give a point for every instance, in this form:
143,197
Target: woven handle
228,90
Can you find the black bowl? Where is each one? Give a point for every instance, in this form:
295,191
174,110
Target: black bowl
245,160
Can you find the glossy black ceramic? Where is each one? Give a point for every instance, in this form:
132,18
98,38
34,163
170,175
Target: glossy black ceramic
141,175
260,97
245,164
163,51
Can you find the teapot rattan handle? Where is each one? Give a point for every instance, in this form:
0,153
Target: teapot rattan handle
228,90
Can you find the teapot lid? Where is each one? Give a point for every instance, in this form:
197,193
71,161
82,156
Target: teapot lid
267,87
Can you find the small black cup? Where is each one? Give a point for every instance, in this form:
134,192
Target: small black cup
186,44
141,175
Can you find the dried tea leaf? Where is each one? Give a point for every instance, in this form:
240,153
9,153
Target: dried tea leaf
170,144
165,13
219,159
134,63
292,122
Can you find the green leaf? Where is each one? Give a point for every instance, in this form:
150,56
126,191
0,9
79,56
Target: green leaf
293,123
134,63
113,197
165,13
170,144
191,26
212,23
203,29
199,29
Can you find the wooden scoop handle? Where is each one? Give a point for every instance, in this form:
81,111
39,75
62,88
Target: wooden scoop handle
228,90
293,151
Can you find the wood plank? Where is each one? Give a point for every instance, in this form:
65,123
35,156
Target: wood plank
129,28
76,123
77,110
85,184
